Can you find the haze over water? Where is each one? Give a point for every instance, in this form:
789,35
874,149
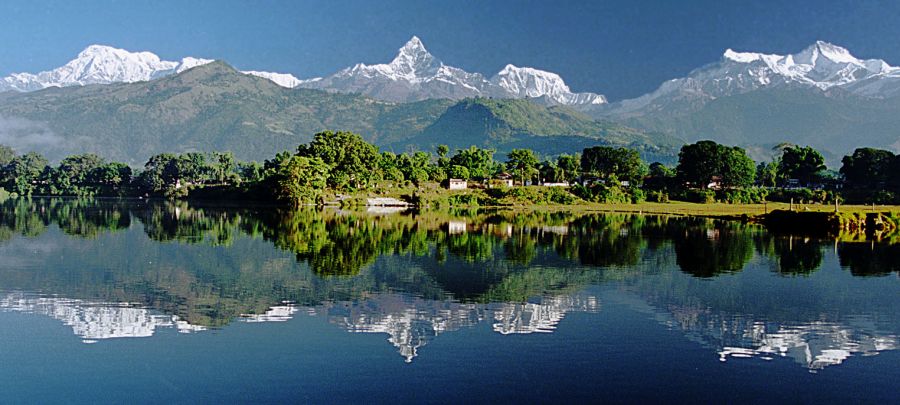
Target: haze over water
147,302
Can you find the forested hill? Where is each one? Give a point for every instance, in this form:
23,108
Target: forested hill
216,108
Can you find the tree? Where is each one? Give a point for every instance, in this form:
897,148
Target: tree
458,172
659,177
224,168
22,172
550,172
300,180
7,154
606,162
802,164
767,174
111,174
478,162
353,162
74,173
568,167
523,163
867,168
738,170
699,162
251,172
388,167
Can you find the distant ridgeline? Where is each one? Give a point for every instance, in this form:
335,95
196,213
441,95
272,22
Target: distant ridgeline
341,167
214,107
129,106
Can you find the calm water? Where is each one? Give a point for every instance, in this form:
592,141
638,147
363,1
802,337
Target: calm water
158,302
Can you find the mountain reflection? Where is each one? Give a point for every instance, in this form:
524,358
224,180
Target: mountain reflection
93,321
113,269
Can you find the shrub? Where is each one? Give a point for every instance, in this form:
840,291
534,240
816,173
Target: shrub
658,196
638,196
698,196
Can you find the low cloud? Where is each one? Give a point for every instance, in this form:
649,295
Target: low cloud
25,135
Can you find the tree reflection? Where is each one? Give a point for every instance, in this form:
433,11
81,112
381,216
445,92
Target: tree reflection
708,248
870,259
217,262
797,256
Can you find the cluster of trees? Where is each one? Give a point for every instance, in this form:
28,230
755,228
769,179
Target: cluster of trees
86,174
343,161
873,174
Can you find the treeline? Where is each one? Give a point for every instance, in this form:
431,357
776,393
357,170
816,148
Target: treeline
339,162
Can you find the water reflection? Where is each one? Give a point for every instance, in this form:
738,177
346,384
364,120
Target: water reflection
127,269
93,321
411,322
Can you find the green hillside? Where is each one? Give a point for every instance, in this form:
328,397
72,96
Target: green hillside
216,108
505,124
835,123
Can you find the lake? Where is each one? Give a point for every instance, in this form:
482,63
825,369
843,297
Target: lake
136,301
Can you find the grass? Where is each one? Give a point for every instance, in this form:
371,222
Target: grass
432,192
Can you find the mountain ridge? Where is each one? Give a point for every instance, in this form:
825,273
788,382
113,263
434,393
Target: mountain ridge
213,107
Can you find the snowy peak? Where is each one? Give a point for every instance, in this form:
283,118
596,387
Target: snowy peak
282,79
415,74
101,64
529,82
413,60
822,64
523,82
829,52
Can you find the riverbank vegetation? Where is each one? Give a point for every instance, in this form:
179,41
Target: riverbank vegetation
342,168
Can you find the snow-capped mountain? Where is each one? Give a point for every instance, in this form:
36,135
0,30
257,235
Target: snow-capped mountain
416,74
282,79
100,64
822,66
532,83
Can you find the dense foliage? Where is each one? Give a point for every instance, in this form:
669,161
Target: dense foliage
337,163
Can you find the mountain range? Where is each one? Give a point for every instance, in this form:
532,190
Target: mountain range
822,96
413,75
213,107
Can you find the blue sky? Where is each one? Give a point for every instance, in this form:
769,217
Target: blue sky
618,48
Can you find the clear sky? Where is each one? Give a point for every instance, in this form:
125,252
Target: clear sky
618,48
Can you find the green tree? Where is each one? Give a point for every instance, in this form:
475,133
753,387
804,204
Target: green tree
523,164
568,167
74,173
458,172
7,154
738,170
301,180
699,162
606,162
225,165
21,174
867,168
478,162
111,174
353,162
659,177
767,174
801,163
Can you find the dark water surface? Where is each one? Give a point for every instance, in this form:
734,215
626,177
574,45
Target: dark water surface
124,302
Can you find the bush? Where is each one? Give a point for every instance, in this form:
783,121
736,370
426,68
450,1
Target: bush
745,196
638,196
698,196
658,196
801,195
